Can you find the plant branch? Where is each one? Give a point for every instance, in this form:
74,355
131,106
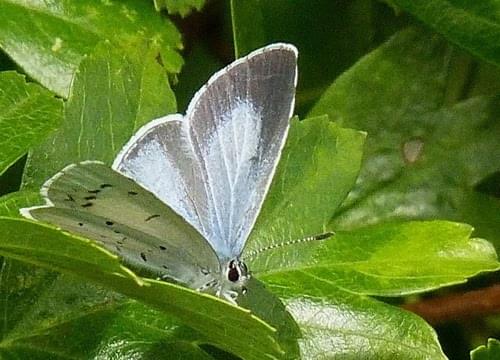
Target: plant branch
463,306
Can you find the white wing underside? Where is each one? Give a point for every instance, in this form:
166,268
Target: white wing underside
214,165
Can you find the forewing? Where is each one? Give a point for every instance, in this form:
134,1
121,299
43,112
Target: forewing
226,149
160,158
94,201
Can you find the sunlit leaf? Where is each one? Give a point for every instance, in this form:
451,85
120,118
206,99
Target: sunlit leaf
385,260
49,39
28,113
354,327
112,96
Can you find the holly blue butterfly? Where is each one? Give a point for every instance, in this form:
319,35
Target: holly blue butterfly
182,196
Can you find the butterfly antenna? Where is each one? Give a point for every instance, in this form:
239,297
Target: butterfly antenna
322,236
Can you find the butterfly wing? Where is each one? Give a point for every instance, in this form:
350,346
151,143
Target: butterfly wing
216,163
94,201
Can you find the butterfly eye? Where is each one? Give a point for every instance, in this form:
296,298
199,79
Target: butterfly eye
233,274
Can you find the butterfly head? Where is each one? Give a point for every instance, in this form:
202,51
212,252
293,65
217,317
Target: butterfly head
237,272
233,280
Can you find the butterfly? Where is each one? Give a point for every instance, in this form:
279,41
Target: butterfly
184,193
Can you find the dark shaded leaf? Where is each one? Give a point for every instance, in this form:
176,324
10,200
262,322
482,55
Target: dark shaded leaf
489,352
473,25
423,156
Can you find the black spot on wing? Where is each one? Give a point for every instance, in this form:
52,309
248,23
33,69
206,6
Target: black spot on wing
163,248
80,224
143,256
97,191
132,192
104,186
92,197
109,223
86,205
151,217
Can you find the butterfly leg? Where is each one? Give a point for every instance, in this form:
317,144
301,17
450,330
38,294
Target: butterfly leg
228,295
208,285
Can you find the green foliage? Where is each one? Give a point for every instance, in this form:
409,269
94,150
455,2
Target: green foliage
356,327
385,260
392,145
489,352
473,25
29,113
181,7
49,39
423,155
113,94
101,323
319,165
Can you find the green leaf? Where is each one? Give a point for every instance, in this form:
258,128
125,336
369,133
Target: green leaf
386,260
423,156
482,211
268,307
181,7
57,249
113,94
49,39
228,327
28,113
11,203
489,352
312,26
318,167
42,308
472,25
354,327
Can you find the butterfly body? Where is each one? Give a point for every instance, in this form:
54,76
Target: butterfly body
182,196
230,282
